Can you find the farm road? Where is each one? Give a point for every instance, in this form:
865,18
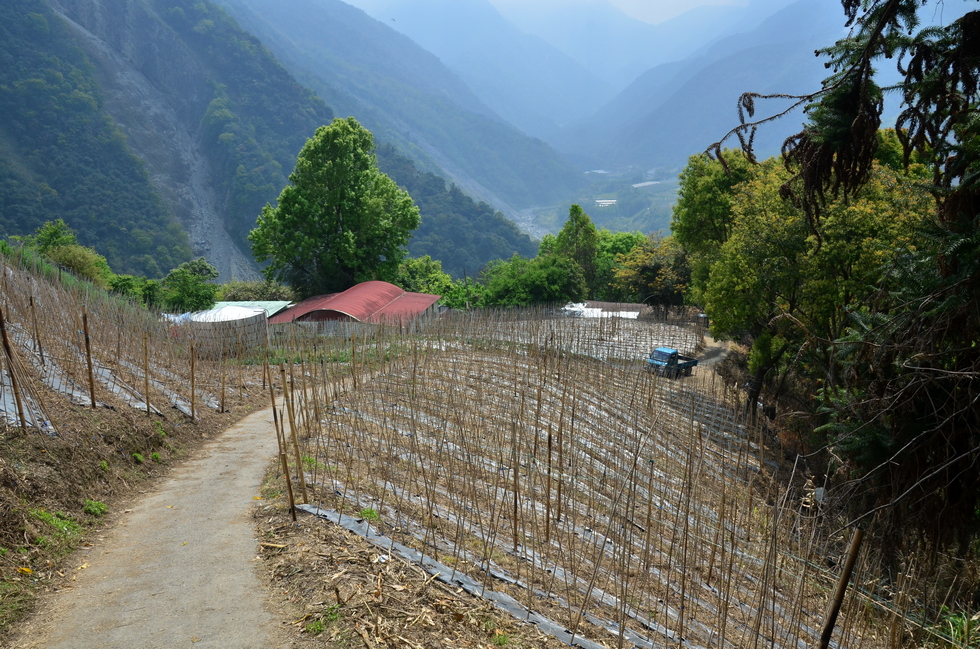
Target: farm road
178,570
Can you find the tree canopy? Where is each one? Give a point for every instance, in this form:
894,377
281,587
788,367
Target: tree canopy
340,221
189,287
899,404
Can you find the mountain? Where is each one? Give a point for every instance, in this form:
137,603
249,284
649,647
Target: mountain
461,233
677,109
618,48
405,95
528,82
63,156
144,121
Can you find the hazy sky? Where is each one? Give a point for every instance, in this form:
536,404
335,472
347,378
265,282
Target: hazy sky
655,11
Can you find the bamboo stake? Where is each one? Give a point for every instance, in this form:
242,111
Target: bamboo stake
146,370
13,379
193,391
223,379
282,451
287,397
88,356
37,332
835,603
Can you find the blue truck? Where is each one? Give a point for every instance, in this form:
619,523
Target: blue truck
667,361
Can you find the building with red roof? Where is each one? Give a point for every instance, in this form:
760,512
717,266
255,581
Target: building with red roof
372,302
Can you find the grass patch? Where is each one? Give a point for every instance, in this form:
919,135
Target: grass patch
95,507
63,532
15,599
315,627
312,463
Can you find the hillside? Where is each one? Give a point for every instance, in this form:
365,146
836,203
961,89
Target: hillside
405,96
525,80
677,109
461,233
216,120
618,48
62,155
142,122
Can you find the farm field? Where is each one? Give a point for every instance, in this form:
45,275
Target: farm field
523,463
529,460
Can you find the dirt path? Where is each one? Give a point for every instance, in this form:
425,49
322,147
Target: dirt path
714,351
178,570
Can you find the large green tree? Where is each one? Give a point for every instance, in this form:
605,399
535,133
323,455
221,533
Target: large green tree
551,279
423,275
654,272
340,221
190,286
702,217
911,358
577,241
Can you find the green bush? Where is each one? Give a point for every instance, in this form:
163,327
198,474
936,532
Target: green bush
95,507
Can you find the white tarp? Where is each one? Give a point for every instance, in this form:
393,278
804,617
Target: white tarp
228,330
579,310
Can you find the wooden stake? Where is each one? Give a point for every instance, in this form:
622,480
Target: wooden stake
37,332
835,603
282,451
13,379
192,381
289,485
513,442
146,370
88,356
222,379
292,430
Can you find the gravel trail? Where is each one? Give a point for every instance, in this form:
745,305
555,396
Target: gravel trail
178,570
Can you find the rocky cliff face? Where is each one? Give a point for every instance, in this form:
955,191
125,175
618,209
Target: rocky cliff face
157,91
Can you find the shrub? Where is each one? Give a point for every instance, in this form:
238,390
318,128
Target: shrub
95,507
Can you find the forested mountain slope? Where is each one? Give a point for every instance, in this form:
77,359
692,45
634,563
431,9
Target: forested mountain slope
141,121
131,119
405,95
63,156
461,233
216,119
677,109
527,81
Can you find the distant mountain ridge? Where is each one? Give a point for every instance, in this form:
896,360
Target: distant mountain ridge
677,109
525,80
405,95
619,48
159,128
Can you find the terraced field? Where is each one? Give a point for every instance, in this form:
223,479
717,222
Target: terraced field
533,462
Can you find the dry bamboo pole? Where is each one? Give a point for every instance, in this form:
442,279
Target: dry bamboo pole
280,441
547,492
838,599
287,397
13,379
37,331
241,370
193,387
223,379
146,370
88,357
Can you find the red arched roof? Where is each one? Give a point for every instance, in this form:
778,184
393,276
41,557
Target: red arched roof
374,302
